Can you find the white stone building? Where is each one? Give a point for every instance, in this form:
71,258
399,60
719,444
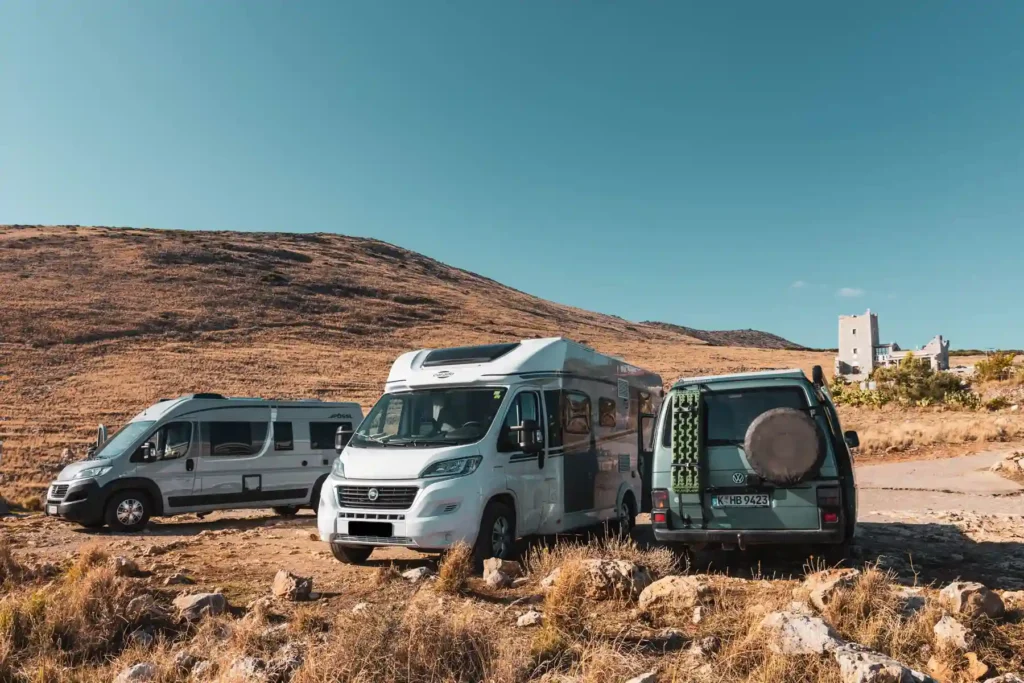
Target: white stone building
860,352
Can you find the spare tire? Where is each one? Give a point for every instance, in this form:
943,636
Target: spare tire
784,446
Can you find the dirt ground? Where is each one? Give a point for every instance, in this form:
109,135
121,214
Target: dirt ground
929,522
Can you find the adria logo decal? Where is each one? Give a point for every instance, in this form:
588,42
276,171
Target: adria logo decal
443,374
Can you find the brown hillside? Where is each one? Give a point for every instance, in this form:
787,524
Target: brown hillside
97,323
750,338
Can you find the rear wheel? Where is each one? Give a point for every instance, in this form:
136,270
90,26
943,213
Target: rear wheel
497,536
128,511
625,518
351,554
286,510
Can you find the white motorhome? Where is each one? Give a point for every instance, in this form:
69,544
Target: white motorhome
204,452
487,444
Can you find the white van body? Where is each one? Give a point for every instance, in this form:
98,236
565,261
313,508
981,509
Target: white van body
204,452
446,441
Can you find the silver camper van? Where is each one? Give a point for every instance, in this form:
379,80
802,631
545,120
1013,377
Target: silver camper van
204,452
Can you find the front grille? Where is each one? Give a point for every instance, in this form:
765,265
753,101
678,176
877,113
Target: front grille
58,491
387,498
371,515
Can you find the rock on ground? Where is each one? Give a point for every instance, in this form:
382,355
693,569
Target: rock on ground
799,634
247,670
498,579
416,575
178,579
184,662
506,567
973,599
822,586
1007,678
292,587
199,605
674,593
144,671
649,677
857,664
951,633
606,579
531,618
124,566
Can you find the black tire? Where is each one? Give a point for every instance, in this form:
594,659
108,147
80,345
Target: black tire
498,519
286,510
351,554
128,511
92,525
623,524
784,446
314,497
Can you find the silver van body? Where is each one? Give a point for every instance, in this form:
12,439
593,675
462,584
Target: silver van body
204,452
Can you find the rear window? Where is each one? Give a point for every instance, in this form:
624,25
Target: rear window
729,413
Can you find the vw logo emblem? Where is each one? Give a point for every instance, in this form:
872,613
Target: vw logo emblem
443,374
739,478
372,494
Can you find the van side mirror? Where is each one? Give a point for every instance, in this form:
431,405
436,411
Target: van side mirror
341,438
149,453
852,440
817,376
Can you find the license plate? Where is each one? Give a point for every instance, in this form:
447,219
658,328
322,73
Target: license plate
51,509
741,500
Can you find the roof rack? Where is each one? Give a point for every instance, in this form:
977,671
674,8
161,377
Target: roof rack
207,395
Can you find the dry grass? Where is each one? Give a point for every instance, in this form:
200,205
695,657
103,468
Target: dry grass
905,431
659,560
455,568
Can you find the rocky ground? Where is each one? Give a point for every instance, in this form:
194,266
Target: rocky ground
248,596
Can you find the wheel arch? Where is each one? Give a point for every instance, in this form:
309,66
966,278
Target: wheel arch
147,486
317,487
507,498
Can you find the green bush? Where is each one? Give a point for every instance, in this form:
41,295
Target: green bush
997,403
912,383
995,367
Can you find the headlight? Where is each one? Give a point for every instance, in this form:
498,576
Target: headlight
338,468
90,472
453,468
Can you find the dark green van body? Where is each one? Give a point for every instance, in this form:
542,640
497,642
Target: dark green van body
714,496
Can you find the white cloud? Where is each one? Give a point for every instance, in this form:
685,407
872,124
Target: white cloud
850,292
799,284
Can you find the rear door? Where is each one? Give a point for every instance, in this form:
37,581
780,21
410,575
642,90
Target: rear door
735,497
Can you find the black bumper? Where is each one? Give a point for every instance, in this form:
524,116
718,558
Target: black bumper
742,539
82,503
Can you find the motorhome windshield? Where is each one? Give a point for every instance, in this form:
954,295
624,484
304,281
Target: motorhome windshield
430,418
123,439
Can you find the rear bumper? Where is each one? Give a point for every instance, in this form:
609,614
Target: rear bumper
742,539
82,503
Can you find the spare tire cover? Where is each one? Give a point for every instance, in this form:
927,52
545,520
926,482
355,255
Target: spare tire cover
784,445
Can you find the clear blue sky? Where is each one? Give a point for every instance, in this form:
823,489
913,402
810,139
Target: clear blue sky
720,165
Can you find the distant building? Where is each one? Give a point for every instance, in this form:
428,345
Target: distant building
860,352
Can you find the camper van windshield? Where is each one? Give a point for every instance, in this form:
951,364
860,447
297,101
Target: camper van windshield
430,418
123,439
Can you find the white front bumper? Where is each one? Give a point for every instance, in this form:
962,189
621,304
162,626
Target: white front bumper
442,513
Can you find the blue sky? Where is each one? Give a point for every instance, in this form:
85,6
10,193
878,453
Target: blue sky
719,165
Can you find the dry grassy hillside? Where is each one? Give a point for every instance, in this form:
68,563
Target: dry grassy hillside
96,323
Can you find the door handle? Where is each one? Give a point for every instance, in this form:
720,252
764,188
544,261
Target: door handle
190,465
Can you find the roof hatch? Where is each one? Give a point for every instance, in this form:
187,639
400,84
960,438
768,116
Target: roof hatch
463,355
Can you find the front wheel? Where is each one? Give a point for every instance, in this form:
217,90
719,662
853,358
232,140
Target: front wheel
128,511
351,554
497,535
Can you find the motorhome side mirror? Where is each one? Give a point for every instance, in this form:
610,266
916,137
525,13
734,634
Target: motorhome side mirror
341,439
818,376
101,436
531,439
852,440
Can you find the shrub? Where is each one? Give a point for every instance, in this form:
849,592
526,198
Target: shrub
997,403
455,568
998,366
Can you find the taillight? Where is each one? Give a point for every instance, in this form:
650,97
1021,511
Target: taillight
830,517
659,499
659,518
828,497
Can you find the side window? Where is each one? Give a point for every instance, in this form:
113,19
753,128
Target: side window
321,434
553,399
576,414
171,441
283,439
525,407
606,412
237,438
666,429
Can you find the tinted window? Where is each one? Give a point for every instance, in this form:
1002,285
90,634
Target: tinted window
283,440
237,438
729,413
174,440
553,399
321,434
576,413
666,430
524,407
